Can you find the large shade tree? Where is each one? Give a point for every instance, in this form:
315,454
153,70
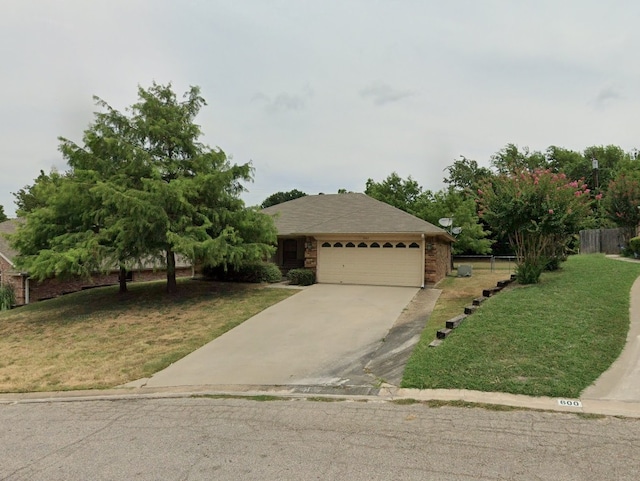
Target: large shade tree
142,187
409,196
471,236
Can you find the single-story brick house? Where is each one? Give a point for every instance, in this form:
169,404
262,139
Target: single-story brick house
355,239
27,290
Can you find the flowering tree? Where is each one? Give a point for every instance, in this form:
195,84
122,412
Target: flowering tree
622,203
538,211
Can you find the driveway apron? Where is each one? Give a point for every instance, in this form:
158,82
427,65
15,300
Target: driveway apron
295,341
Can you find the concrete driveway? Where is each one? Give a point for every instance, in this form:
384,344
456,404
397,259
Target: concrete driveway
300,340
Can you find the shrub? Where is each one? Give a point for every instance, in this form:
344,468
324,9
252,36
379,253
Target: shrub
268,272
634,246
253,272
302,277
528,271
7,297
552,263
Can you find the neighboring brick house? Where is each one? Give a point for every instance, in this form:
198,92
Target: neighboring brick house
28,290
355,239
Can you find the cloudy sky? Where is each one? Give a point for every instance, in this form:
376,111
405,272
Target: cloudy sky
321,95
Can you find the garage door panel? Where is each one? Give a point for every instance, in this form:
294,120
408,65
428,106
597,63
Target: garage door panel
394,266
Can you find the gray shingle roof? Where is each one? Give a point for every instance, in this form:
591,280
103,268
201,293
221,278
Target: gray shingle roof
8,227
346,214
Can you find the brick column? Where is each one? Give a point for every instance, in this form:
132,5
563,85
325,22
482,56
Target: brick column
311,253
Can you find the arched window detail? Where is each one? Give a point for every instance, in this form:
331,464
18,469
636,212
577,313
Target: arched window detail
400,245
414,245
374,244
387,245
337,244
326,244
362,244
350,244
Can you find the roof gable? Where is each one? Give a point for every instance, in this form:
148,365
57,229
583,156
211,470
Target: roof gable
6,251
346,214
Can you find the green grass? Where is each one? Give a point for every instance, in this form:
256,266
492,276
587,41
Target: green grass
550,339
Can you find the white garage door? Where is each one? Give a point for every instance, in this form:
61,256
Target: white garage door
381,263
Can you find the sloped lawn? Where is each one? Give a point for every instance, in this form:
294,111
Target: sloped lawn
550,339
99,338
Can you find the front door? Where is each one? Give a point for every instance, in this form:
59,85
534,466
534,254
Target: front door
290,254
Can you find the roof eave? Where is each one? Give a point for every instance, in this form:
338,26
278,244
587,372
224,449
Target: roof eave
333,234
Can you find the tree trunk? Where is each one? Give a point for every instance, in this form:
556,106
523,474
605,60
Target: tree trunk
172,286
122,279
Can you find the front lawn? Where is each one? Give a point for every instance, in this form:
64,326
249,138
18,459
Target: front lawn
550,339
99,338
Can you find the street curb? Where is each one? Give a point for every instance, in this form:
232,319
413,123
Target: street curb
385,393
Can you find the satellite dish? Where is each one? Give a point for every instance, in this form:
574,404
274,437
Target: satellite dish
445,221
456,230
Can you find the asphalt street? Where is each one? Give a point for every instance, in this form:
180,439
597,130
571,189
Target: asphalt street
236,439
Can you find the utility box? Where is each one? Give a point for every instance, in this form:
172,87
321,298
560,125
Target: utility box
464,270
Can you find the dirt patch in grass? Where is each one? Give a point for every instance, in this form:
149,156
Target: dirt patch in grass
458,292
99,338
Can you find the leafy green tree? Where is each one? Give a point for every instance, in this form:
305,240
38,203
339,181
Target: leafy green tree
611,159
572,163
33,196
143,187
511,159
622,202
539,211
59,239
466,174
395,191
462,209
280,197
408,195
3,216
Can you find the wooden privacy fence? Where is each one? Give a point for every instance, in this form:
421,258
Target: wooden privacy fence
608,241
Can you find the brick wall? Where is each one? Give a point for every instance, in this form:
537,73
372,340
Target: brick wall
55,287
9,276
437,262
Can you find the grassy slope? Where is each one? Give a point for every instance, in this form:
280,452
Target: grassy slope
98,338
552,339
